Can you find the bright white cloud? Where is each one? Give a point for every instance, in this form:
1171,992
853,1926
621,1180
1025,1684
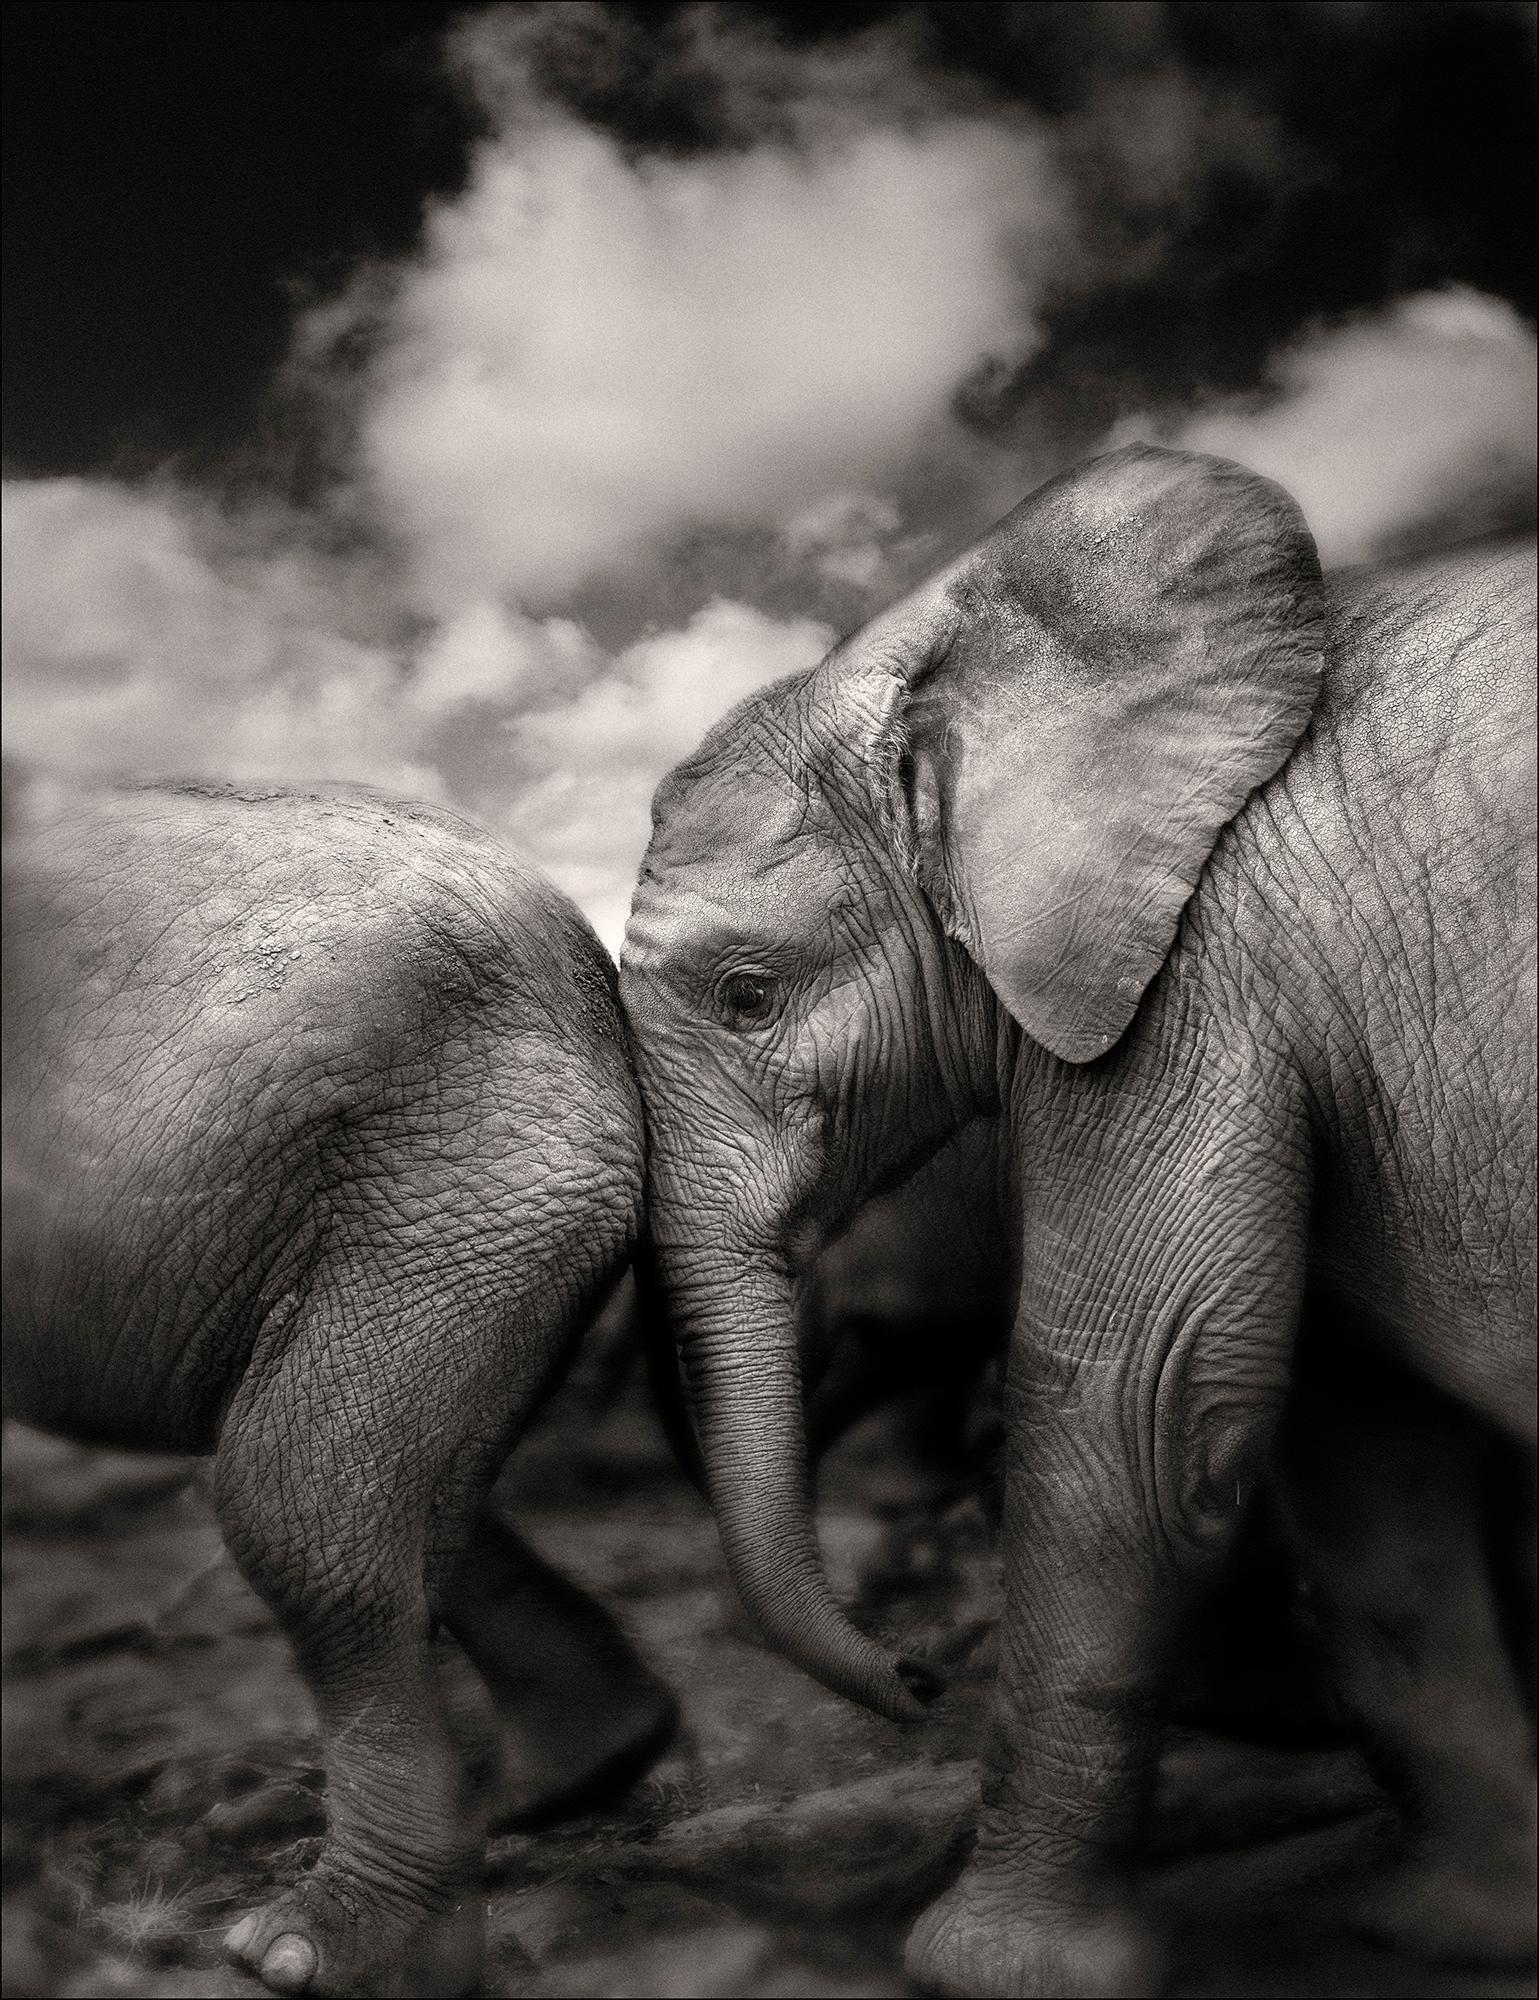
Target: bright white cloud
131,644
138,639
144,633
854,539
1419,415
594,353
489,655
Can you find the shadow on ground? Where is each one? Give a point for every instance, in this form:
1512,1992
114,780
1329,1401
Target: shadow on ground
160,1760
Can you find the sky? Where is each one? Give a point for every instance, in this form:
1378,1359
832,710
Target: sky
477,401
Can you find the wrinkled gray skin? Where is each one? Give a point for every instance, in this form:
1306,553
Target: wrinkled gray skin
321,1144
926,1263
1376,1498
912,1303
909,1309
1216,883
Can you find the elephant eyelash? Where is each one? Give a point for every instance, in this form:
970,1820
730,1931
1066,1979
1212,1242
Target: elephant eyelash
748,997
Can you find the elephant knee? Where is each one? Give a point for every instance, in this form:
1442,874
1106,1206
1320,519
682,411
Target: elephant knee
1211,1465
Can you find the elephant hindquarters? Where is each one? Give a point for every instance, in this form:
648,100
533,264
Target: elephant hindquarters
351,1475
326,1485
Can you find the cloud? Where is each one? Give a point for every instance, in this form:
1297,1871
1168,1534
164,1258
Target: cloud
854,539
487,654
723,345
144,634
594,354
1392,427
131,643
707,79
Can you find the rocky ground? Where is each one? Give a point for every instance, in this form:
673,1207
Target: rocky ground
160,1761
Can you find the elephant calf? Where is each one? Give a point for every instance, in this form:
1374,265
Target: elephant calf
321,1144
1214,881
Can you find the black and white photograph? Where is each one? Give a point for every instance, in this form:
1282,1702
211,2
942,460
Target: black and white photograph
770,1076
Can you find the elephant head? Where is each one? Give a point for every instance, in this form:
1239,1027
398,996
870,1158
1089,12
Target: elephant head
961,844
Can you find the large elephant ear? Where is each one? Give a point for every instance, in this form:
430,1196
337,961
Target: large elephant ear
1087,698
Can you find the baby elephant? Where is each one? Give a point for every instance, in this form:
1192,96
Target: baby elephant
321,1145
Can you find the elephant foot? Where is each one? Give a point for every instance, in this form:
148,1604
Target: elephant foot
962,1948
579,1761
328,1937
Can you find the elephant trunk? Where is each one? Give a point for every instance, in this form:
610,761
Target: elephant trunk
737,1343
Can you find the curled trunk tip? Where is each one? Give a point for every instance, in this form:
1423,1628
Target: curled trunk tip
735,1323
849,1664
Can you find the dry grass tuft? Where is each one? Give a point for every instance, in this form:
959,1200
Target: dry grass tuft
147,1923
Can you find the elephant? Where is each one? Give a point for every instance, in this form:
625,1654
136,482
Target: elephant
929,1259
1213,879
1375,1490
322,1143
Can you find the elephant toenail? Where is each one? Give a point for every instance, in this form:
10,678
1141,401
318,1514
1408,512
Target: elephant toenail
290,1964
240,1937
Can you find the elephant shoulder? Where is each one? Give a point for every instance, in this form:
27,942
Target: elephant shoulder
1429,707
1403,825
1409,801
1442,646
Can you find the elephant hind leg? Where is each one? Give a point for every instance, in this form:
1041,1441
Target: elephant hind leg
580,1715
325,1480
1386,1483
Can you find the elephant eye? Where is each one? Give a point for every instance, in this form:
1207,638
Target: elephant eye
747,997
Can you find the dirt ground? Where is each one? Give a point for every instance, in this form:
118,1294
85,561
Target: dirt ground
160,1759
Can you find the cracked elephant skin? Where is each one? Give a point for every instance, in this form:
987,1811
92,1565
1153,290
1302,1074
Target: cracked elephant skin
929,1261
1376,1513
1213,879
322,1143
907,1311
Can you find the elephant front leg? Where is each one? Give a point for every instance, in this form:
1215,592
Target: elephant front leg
1138,1416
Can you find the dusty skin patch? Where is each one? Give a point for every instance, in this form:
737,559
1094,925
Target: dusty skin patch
161,1768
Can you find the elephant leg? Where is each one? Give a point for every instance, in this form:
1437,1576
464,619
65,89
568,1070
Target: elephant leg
1138,1417
337,1471
580,1715
1387,1484
1515,1556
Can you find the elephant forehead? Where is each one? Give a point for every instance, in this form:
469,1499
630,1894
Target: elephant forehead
734,826
746,810
756,894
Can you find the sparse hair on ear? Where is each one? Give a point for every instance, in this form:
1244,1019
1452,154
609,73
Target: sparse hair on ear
891,766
